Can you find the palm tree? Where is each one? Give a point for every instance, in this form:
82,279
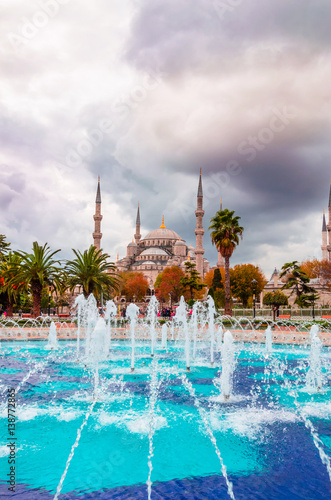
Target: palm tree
92,271
4,246
8,267
36,270
225,233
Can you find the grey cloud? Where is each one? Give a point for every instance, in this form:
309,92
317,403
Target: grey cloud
191,36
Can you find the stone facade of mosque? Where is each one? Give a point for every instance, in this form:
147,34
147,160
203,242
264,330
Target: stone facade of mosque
161,247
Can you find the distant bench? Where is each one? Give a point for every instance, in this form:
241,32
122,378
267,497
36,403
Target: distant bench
326,317
285,316
64,315
26,315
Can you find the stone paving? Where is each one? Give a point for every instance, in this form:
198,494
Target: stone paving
279,336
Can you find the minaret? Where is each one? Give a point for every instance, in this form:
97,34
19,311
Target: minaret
97,235
328,227
199,213
220,260
324,239
137,236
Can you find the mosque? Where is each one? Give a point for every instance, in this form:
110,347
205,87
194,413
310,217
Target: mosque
161,247
326,233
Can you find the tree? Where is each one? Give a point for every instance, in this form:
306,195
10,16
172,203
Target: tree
36,270
225,233
298,281
10,286
318,269
92,271
4,246
167,282
215,282
275,300
241,277
133,285
191,281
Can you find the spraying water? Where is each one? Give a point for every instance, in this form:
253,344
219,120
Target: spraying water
219,338
97,349
181,318
314,375
228,362
52,338
268,339
110,313
211,325
194,323
155,384
164,333
152,318
132,313
203,415
90,318
79,303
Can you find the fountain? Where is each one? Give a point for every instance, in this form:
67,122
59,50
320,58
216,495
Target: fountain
152,318
90,315
219,338
164,336
194,322
97,351
228,362
110,314
314,375
132,313
268,340
180,318
211,326
79,304
52,337
155,415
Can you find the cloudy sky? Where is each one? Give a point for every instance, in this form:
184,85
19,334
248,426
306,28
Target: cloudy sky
144,93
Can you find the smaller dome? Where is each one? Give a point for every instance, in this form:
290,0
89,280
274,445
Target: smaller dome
132,244
180,243
153,251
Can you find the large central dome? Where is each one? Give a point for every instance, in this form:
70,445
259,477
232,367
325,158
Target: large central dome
162,233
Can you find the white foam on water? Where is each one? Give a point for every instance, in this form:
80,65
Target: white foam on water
250,422
319,410
4,451
140,424
67,416
109,419
136,423
29,412
26,413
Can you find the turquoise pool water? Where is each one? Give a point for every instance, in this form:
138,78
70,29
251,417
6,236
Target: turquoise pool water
274,434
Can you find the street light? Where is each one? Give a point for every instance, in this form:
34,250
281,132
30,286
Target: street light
314,306
254,283
171,299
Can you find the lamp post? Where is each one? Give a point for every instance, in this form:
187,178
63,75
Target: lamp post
171,300
314,306
254,283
